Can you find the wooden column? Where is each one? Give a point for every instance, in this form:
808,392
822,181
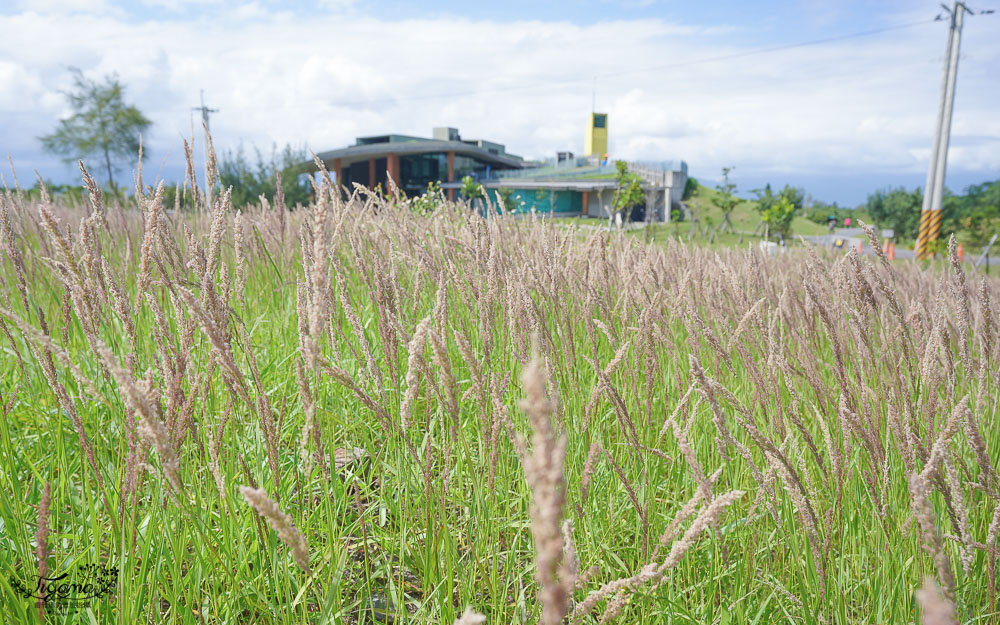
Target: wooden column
586,202
392,168
338,171
371,173
451,174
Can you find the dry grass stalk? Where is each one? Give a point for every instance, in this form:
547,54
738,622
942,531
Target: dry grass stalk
992,537
470,617
415,350
42,543
280,523
935,608
920,502
593,455
653,572
544,472
239,251
960,292
150,427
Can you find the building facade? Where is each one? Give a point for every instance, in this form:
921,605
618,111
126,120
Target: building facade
565,185
414,162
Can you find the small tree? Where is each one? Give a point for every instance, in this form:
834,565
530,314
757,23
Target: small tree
471,189
726,199
628,190
778,211
428,201
505,196
778,217
102,124
898,209
250,180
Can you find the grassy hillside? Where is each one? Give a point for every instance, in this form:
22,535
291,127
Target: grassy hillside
744,217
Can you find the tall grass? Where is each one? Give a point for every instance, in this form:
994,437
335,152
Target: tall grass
357,413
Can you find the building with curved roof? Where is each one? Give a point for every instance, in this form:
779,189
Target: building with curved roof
413,162
566,185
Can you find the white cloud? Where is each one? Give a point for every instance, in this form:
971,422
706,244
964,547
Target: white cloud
861,104
65,6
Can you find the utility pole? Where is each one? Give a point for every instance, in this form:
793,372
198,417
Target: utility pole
205,112
930,214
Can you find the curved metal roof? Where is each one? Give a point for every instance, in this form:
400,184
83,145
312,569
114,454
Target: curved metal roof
356,153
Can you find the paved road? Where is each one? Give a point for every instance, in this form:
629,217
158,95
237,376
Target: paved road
850,236
850,241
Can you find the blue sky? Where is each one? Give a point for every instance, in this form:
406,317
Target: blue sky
839,117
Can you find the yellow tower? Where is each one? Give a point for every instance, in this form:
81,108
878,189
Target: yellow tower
596,141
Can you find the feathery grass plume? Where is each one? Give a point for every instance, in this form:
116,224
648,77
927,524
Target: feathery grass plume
190,178
319,277
960,291
603,376
222,350
593,455
211,167
707,518
215,450
543,471
41,341
639,509
992,535
873,242
935,609
279,208
684,445
940,448
150,427
374,371
60,239
726,438
478,383
988,326
470,617
7,404
239,250
653,572
415,350
962,512
585,607
569,571
832,334
803,506
280,523
152,215
14,254
217,231
309,408
42,544
923,512
68,406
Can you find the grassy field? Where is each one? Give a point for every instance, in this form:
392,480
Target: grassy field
359,414
744,218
